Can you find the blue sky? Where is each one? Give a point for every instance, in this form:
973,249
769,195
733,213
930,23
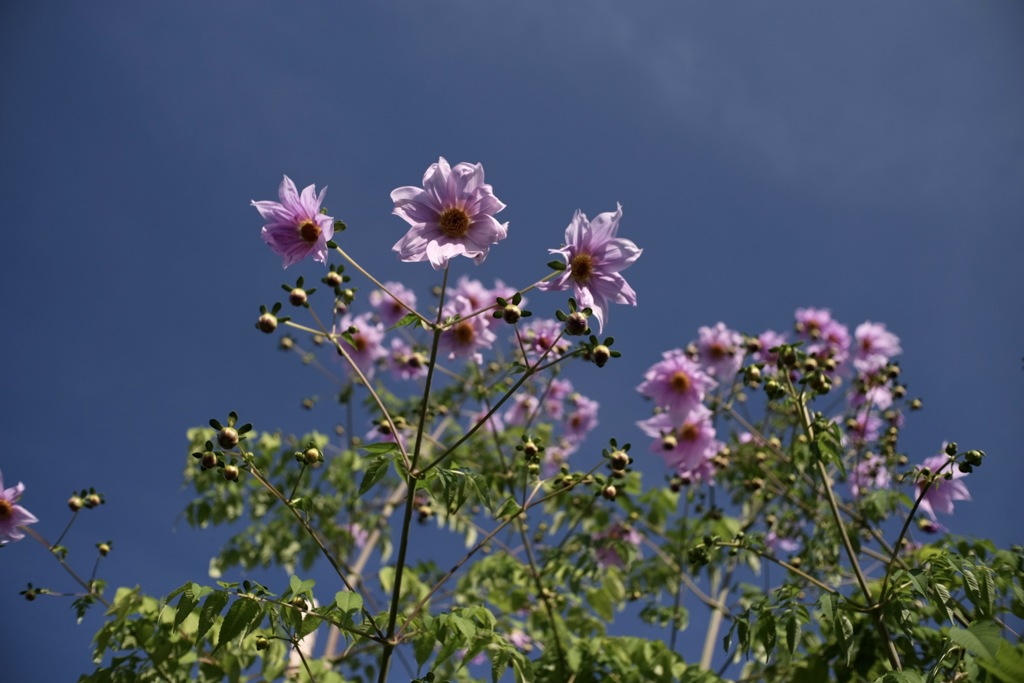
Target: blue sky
865,158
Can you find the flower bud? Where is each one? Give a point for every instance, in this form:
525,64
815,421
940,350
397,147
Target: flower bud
104,548
669,442
227,437
209,460
75,503
262,643
576,324
974,456
266,323
299,603
610,492
752,375
93,500
951,448
511,314
231,472
312,456
333,279
601,354
619,460
530,448
965,467
298,297
286,343
916,404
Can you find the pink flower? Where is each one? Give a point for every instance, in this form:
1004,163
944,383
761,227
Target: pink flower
367,341
940,495
295,227
541,335
676,383
582,417
690,442
389,310
524,406
775,542
466,337
593,257
12,515
452,215
769,339
721,351
827,338
869,473
405,362
876,346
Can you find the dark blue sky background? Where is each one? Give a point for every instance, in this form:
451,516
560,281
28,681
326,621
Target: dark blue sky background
868,158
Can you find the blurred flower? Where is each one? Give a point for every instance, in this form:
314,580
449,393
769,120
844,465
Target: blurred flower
826,338
521,640
593,257
389,310
405,362
542,334
876,346
773,542
12,515
869,473
523,407
768,340
367,341
452,215
940,495
609,543
721,351
359,535
676,383
466,337
295,227
582,417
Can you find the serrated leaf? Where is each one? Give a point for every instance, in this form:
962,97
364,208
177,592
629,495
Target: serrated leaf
1008,665
238,618
212,606
309,624
186,604
375,471
982,638
904,676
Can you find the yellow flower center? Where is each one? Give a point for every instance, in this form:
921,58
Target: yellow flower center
309,231
717,352
359,342
6,509
454,222
680,382
581,267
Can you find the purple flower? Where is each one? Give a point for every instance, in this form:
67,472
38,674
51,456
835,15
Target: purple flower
774,542
720,350
524,406
869,473
520,639
940,495
768,340
593,257
686,444
827,338
876,346
12,515
389,310
405,362
452,215
541,335
610,546
295,227
359,535
675,383
467,336
582,417
367,341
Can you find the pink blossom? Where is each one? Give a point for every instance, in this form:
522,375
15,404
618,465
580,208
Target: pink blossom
827,338
12,515
720,351
869,473
769,339
691,439
466,337
676,383
405,362
389,310
295,227
594,256
451,215
541,335
367,341
582,417
940,495
524,406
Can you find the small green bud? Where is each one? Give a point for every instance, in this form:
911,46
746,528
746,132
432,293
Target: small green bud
511,314
231,472
601,354
610,492
951,448
262,643
298,297
75,503
104,548
209,460
312,456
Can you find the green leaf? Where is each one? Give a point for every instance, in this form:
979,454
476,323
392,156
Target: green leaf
186,603
1008,665
408,319
375,471
238,618
792,632
904,676
212,606
982,638
601,602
